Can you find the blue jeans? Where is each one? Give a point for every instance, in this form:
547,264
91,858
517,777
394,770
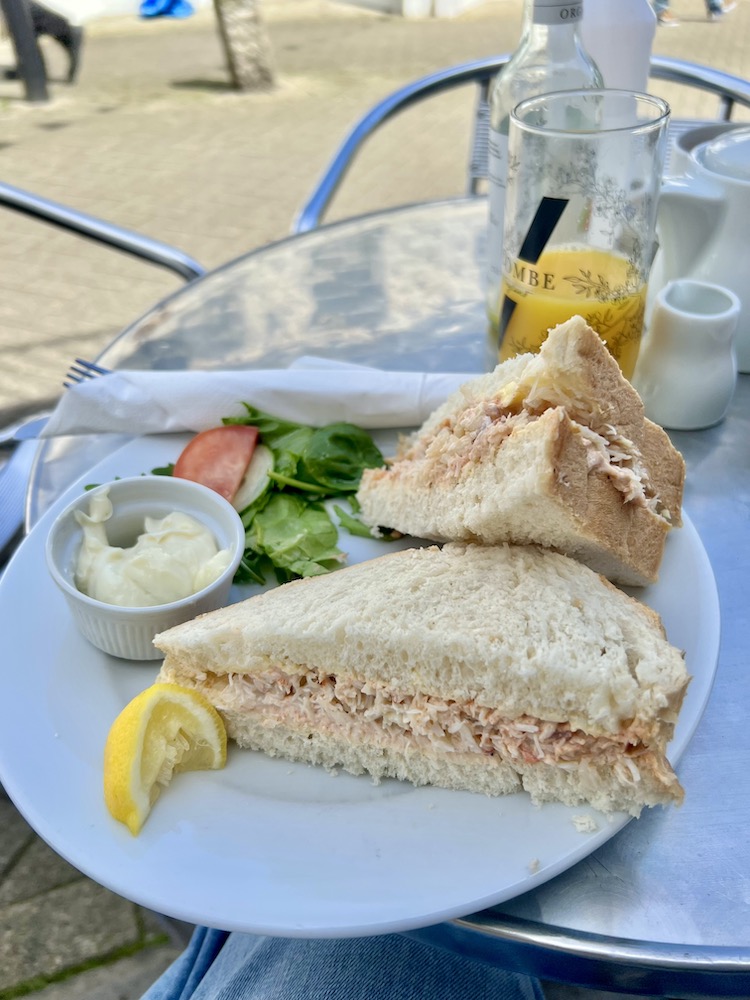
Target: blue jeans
217,965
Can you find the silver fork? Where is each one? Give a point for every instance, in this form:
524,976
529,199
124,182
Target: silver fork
82,370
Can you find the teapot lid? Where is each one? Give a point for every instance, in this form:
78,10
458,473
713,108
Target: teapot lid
728,154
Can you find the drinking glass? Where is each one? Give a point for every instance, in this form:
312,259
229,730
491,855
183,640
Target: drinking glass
584,174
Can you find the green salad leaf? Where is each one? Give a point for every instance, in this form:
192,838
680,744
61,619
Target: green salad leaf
336,455
352,524
297,535
328,459
288,529
286,440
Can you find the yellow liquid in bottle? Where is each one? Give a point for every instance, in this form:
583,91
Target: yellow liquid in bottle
569,281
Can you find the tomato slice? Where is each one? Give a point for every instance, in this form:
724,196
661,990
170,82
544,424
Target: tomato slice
218,458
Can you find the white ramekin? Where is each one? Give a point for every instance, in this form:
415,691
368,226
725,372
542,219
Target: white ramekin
128,632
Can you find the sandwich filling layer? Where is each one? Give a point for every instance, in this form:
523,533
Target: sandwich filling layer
476,433
304,697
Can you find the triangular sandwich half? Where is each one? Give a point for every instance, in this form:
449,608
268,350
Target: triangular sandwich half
482,668
550,449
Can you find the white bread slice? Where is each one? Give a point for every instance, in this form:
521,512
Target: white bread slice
368,667
518,455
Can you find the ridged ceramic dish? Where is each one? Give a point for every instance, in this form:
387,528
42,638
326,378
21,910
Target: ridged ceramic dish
127,632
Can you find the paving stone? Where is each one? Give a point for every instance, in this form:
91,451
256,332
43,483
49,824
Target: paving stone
37,869
15,835
62,929
126,979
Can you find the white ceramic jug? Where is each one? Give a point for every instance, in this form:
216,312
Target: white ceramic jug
687,368
703,224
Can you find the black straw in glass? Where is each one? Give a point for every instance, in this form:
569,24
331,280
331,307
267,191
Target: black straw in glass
542,226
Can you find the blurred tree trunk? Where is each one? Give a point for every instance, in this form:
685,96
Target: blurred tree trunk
246,44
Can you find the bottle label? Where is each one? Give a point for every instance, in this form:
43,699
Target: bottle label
497,176
555,12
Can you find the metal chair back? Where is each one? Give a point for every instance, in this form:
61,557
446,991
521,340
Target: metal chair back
100,231
730,91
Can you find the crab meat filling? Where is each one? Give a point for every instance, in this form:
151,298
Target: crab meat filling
480,429
319,699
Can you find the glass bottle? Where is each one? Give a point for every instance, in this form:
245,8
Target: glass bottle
550,56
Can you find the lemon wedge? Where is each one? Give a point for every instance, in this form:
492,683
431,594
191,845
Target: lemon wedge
164,730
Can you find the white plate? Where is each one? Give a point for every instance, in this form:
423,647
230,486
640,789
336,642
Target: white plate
266,846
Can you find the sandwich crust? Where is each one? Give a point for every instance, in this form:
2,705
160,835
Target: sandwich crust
550,449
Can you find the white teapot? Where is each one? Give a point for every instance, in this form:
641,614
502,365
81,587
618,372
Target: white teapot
703,223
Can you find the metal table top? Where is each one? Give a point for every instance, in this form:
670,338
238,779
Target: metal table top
664,907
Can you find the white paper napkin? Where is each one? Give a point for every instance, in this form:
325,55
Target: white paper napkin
314,391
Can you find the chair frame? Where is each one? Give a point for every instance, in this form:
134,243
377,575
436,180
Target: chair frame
99,231
730,90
